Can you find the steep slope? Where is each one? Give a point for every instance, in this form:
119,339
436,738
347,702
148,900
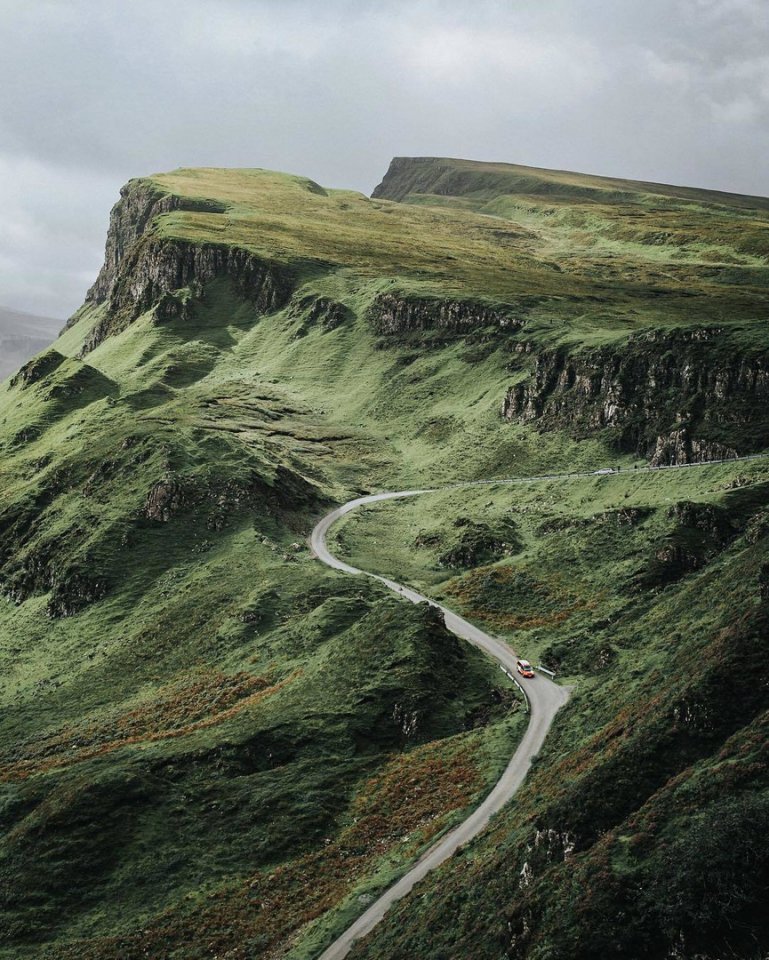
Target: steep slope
237,747
196,717
597,299
417,177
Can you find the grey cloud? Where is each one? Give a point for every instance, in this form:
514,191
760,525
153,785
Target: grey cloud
97,92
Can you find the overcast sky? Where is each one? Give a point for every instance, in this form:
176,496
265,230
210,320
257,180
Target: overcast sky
97,91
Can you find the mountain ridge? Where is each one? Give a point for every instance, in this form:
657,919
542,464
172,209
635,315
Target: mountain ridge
406,168
240,748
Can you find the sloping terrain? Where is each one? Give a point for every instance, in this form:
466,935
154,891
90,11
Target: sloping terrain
211,746
640,826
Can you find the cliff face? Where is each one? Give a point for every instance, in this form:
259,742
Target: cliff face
143,269
140,202
168,274
676,397
447,176
171,652
407,175
673,397
391,314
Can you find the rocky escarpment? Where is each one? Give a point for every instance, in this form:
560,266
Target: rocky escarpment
675,397
392,314
66,565
171,274
141,202
478,544
143,269
216,500
407,175
700,532
323,312
48,566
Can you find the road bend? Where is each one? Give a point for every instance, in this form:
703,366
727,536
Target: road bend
544,698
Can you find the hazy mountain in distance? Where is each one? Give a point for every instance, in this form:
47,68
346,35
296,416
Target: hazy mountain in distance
22,335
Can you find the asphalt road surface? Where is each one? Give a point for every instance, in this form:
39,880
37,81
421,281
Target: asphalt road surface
544,699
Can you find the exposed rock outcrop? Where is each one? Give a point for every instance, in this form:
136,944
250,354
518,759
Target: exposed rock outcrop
49,570
674,396
324,312
217,500
37,369
156,269
143,269
392,314
176,306
763,583
73,592
141,202
478,543
701,532
169,497
679,447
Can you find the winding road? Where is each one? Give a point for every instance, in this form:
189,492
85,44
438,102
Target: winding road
544,697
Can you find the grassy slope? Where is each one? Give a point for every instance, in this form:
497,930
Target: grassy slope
587,268
662,747
201,726
192,743
652,253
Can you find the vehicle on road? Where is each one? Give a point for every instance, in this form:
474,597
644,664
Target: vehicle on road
525,668
598,473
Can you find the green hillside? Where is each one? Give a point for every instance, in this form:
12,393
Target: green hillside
212,746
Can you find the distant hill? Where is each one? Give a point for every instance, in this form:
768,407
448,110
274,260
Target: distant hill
417,178
22,335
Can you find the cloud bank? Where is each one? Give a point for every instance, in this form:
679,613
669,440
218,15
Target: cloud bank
97,92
